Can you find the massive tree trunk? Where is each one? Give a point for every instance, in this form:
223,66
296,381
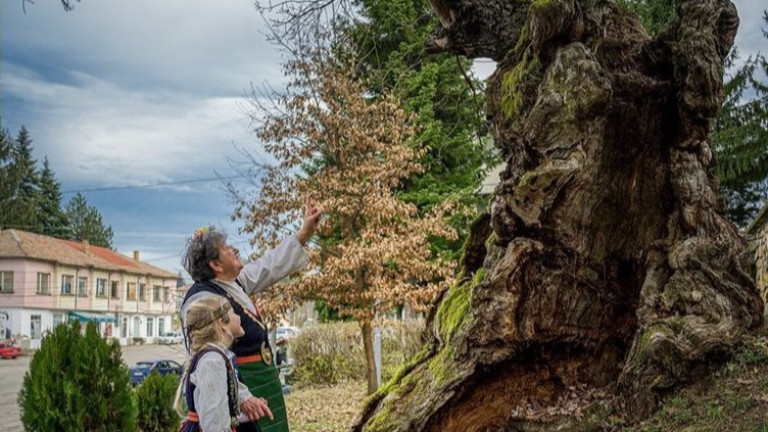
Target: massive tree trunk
611,274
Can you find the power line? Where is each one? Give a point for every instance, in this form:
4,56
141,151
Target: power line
147,186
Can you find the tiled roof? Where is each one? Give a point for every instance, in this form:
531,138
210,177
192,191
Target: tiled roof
21,244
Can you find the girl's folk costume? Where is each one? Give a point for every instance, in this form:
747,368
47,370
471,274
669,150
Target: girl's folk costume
204,380
253,351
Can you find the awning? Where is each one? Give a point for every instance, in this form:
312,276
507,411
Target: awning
91,317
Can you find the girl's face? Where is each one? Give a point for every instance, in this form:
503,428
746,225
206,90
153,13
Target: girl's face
234,324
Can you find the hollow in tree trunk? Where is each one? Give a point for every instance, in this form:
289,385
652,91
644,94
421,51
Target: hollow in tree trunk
611,272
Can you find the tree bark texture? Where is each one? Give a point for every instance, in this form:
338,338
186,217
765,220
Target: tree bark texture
611,273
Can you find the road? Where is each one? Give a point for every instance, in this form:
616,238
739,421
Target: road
12,373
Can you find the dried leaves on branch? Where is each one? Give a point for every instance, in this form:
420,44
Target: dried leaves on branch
349,152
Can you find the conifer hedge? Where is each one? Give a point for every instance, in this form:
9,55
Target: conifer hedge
77,382
154,398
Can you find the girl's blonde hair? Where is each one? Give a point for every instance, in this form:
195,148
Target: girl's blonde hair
202,329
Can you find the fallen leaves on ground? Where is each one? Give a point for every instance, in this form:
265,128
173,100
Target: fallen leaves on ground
325,408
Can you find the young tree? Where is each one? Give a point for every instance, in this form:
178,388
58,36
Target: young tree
85,223
388,39
154,400
351,153
77,382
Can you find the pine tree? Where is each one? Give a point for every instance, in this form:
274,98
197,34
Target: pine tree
390,40
26,167
77,382
19,191
49,212
85,223
8,185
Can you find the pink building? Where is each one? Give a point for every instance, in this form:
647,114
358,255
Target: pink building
45,281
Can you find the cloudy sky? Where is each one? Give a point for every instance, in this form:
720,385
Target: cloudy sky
122,94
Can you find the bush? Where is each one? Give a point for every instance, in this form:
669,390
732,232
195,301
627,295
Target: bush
333,353
154,398
76,382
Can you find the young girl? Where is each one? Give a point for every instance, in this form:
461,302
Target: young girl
210,380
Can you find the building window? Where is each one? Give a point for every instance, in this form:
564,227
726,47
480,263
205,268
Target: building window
150,327
66,284
6,281
82,286
34,327
156,293
101,287
114,289
166,294
143,292
43,283
124,328
131,291
57,319
160,326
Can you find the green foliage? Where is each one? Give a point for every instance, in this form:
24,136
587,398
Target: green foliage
85,223
333,353
390,38
326,313
740,139
77,382
52,219
154,398
654,14
18,193
31,199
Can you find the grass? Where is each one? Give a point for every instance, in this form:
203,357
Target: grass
331,408
734,399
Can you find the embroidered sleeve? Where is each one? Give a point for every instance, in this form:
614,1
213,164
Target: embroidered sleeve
211,395
284,260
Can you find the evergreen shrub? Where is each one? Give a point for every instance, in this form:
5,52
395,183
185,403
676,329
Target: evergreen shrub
77,382
154,398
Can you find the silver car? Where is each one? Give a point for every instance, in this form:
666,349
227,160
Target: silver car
169,338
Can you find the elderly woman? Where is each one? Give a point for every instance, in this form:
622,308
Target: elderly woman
217,270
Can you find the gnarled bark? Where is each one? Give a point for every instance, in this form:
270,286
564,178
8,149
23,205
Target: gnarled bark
611,264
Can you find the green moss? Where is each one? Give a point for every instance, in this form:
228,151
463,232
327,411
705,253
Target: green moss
381,421
491,241
645,339
525,178
524,38
516,83
455,306
402,377
540,5
441,366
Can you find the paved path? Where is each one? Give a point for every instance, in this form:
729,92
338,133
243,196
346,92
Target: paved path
12,374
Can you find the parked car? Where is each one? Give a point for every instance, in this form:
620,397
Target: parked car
285,333
174,337
9,350
141,370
